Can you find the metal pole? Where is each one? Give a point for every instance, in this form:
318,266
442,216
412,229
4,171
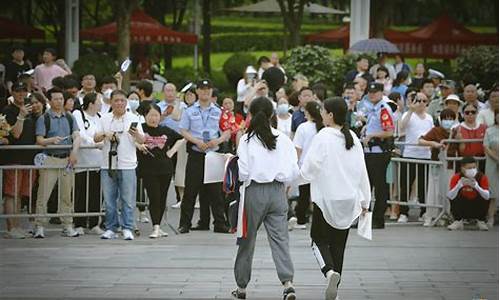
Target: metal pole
72,31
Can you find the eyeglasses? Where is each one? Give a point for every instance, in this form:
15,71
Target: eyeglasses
420,100
470,112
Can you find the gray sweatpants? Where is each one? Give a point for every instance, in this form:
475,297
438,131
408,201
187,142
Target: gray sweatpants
265,202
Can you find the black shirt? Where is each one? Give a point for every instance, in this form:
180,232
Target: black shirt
27,137
158,141
13,70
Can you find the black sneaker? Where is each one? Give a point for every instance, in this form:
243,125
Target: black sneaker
238,295
222,229
183,229
289,294
200,228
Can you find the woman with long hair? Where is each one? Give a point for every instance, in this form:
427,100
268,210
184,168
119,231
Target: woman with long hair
267,159
302,140
335,159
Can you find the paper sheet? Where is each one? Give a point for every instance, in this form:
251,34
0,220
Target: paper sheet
365,226
214,167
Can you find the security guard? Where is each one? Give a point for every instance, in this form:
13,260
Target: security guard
200,127
377,140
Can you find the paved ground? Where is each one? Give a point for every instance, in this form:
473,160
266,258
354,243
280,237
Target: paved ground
400,263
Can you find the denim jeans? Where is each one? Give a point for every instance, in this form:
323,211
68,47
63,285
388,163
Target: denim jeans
119,195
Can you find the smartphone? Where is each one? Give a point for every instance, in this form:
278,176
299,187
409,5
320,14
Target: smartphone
206,136
27,100
170,109
133,125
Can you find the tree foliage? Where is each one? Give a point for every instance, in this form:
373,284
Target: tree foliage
480,62
314,62
235,65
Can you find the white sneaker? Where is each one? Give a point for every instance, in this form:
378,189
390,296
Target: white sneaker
39,232
482,225
96,230
491,222
143,217
16,233
127,235
197,204
80,230
163,233
292,223
331,289
403,218
69,231
427,221
300,226
108,235
156,232
457,225
176,205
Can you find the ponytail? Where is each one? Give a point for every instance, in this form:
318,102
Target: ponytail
261,110
338,108
314,109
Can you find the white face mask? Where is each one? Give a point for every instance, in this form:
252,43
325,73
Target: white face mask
447,124
471,173
282,109
134,104
107,93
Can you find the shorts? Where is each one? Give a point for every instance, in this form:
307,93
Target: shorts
23,182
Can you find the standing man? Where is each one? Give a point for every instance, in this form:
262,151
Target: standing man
44,73
437,104
471,96
200,127
377,138
299,116
16,67
88,86
119,130
362,65
57,127
145,91
171,108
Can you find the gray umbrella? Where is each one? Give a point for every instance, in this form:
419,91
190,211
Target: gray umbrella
374,46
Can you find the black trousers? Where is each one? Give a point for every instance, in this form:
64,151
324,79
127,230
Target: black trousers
328,243
94,190
410,171
157,188
303,204
462,208
376,165
210,194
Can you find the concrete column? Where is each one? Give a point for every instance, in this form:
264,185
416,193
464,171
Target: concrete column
360,21
72,31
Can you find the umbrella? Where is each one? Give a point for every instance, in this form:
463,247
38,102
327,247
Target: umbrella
374,46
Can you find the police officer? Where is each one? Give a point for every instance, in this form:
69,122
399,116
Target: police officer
200,127
377,138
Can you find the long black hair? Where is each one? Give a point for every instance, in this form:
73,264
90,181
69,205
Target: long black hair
338,108
314,109
261,110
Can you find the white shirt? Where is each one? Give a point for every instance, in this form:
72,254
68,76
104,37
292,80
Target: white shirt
105,108
339,181
242,90
303,138
261,165
88,130
126,158
416,128
487,117
285,126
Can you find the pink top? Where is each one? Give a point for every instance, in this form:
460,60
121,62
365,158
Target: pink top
44,75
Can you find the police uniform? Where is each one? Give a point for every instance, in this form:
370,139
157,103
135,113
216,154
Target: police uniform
202,124
377,158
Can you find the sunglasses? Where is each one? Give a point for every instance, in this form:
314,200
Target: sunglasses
470,112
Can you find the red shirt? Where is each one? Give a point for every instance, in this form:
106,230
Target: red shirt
469,192
228,121
473,149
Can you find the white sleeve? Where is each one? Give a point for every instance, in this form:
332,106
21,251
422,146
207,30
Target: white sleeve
313,160
242,88
242,152
87,140
485,194
364,185
298,138
452,194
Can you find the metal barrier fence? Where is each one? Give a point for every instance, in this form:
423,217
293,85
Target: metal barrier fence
436,175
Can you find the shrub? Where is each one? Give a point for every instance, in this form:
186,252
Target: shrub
235,65
480,62
95,63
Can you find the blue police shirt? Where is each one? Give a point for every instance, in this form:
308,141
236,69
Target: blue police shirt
59,126
379,119
197,121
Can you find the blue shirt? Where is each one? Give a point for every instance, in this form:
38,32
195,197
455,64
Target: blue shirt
168,121
59,126
298,117
197,121
380,111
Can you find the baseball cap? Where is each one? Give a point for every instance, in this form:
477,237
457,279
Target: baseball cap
204,83
453,97
448,84
19,86
375,87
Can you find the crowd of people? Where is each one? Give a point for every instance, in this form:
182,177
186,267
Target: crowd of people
130,144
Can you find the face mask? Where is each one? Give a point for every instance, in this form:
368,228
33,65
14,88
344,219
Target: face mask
134,104
471,173
107,93
282,109
447,124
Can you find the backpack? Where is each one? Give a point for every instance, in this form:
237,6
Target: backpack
46,119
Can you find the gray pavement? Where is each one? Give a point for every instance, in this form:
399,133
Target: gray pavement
402,262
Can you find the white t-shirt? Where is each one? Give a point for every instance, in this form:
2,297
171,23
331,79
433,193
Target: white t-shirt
487,117
88,129
416,128
126,158
303,138
285,126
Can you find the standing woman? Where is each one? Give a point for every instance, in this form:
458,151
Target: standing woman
302,140
267,159
491,150
155,167
335,156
